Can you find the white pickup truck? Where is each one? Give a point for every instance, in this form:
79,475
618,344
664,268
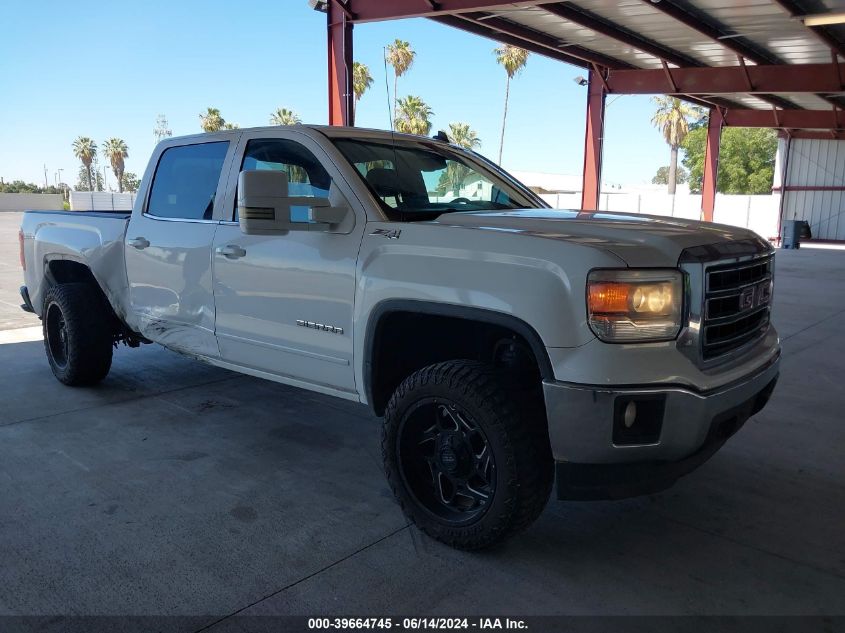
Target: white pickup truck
505,344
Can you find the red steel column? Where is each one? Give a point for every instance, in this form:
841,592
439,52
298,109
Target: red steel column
593,138
711,164
340,66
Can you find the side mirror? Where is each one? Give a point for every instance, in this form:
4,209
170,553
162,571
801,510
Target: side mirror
265,208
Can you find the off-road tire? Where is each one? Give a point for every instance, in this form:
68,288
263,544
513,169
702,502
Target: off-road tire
86,357
516,432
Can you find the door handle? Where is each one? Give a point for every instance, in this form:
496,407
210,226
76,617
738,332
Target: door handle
139,242
231,251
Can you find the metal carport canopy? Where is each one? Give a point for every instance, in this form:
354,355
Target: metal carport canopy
753,63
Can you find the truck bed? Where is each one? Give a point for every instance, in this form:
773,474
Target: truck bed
91,214
92,238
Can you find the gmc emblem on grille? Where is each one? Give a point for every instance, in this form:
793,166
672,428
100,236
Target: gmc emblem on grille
755,296
746,298
764,293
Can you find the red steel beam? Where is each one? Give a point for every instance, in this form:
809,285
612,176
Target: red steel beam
341,109
798,119
478,28
706,26
542,45
711,164
713,31
810,78
543,40
594,22
374,10
593,139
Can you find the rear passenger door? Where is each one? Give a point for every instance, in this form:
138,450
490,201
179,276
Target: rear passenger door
168,246
271,291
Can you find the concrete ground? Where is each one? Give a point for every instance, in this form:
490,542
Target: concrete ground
177,488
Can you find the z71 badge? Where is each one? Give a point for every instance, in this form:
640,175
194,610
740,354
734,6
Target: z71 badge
391,234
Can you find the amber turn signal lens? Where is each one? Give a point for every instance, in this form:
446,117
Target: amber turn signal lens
609,297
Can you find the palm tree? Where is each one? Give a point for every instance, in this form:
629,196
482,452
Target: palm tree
361,81
115,150
211,120
283,116
672,119
231,126
513,59
85,149
400,55
413,116
462,135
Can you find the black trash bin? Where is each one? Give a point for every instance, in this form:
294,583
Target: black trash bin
791,233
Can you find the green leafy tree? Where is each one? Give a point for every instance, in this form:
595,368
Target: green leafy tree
699,117
746,159
96,178
211,120
130,182
283,116
116,150
401,56
85,149
361,81
513,60
19,186
662,176
413,116
672,119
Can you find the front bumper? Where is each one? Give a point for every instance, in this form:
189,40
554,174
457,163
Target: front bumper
597,461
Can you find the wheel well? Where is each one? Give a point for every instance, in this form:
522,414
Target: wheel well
403,341
65,271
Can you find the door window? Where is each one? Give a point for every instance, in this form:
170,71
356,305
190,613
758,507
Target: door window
185,181
306,175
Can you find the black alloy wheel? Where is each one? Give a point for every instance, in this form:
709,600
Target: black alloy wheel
446,461
466,455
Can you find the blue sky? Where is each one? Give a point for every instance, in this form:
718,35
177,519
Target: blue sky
109,68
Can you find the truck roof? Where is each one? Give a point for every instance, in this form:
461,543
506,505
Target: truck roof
331,131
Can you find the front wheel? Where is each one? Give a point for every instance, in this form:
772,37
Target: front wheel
467,457
77,334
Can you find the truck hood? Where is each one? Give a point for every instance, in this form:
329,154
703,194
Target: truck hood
639,240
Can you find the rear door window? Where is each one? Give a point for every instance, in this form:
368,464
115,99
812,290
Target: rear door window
185,181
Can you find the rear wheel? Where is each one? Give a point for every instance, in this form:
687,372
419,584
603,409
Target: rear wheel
77,334
467,457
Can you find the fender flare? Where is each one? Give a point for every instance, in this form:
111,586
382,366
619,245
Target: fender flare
468,313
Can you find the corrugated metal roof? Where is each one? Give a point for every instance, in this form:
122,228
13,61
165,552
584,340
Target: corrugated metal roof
763,30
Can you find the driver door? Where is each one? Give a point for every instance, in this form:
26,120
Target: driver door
272,291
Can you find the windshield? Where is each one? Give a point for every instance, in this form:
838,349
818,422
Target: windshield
416,180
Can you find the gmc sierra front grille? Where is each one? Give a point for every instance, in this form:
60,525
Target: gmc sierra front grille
737,301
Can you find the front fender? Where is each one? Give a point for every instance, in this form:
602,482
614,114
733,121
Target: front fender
537,282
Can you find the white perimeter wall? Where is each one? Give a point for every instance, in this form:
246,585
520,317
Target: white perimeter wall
758,213
35,201
101,201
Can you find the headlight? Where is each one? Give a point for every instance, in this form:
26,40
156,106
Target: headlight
634,305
